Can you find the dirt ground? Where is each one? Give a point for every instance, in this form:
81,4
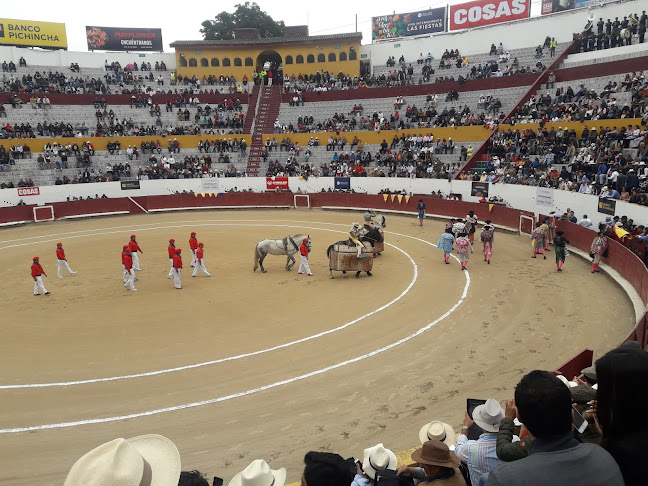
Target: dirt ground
331,392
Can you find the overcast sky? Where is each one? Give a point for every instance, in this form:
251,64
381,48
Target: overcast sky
181,21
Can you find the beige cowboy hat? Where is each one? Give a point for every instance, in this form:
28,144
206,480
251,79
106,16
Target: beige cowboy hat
437,430
377,458
489,415
258,473
146,460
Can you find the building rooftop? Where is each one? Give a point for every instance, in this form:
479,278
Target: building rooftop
268,40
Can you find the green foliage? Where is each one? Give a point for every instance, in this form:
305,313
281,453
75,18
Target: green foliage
245,16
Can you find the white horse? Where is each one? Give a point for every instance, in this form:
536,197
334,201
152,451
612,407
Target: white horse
287,246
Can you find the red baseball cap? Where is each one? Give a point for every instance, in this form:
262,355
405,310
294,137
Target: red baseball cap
171,240
132,236
125,247
201,244
36,258
193,233
305,240
59,244
178,250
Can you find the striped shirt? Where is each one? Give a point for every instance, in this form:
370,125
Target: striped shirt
483,450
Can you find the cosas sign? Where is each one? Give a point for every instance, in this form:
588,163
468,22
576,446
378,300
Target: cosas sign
485,12
28,191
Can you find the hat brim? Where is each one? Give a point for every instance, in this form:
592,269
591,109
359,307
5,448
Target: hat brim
449,433
163,457
278,474
453,462
369,470
483,424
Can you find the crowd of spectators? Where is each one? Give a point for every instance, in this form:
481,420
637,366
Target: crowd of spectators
536,435
611,33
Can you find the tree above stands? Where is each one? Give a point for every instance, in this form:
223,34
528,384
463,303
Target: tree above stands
246,16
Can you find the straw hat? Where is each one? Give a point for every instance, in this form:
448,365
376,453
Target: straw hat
258,473
437,430
146,460
377,458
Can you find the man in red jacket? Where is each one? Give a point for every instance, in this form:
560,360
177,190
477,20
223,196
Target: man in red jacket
177,269
134,248
200,263
193,245
123,255
36,272
303,264
127,260
172,250
62,261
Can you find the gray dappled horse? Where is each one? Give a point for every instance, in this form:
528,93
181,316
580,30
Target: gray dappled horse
286,246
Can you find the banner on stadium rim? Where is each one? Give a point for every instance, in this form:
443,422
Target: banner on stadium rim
276,183
209,184
128,185
606,206
479,189
545,197
554,6
487,12
406,24
123,39
28,191
342,183
32,33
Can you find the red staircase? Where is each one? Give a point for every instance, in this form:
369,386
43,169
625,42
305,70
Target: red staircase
269,102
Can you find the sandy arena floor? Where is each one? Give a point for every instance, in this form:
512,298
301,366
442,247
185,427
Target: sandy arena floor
342,390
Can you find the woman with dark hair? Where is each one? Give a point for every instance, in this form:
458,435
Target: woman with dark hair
622,376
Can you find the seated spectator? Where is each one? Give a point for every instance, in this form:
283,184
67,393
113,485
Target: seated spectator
326,469
555,456
438,465
148,459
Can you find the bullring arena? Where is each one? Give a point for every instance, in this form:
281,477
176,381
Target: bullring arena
244,365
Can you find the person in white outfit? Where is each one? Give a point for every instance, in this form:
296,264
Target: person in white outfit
200,263
62,261
36,272
303,264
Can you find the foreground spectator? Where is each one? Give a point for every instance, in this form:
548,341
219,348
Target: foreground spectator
622,377
151,460
555,458
258,472
438,465
326,469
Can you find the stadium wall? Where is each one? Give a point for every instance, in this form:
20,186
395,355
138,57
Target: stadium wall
527,33
521,197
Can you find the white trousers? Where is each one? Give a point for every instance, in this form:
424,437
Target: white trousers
38,284
129,281
136,265
64,264
303,265
124,273
193,258
171,271
177,283
200,265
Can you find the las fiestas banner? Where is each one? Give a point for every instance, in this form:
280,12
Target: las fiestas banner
123,39
404,24
276,183
553,6
487,12
33,34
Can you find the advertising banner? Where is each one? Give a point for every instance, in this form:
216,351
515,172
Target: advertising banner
553,6
479,189
33,34
28,191
342,183
209,184
405,24
276,183
128,185
606,206
487,12
123,39
545,197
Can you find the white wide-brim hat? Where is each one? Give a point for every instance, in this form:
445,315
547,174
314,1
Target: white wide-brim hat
437,430
258,473
146,460
377,458
489,415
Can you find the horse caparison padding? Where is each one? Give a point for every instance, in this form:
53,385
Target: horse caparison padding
287,246
343,257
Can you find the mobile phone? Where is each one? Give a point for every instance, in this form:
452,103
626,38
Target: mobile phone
217,481
580,424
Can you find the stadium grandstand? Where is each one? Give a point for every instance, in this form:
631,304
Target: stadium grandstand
525,121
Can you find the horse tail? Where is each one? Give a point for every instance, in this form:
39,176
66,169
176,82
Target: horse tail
256,257
328,250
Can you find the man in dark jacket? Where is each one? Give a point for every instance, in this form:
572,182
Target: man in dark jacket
506,449
555,457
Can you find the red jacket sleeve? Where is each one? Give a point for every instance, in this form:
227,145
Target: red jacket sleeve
171,251
199,254
128,262
177,262
193,243
35,271
134,246
60,253
303,250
